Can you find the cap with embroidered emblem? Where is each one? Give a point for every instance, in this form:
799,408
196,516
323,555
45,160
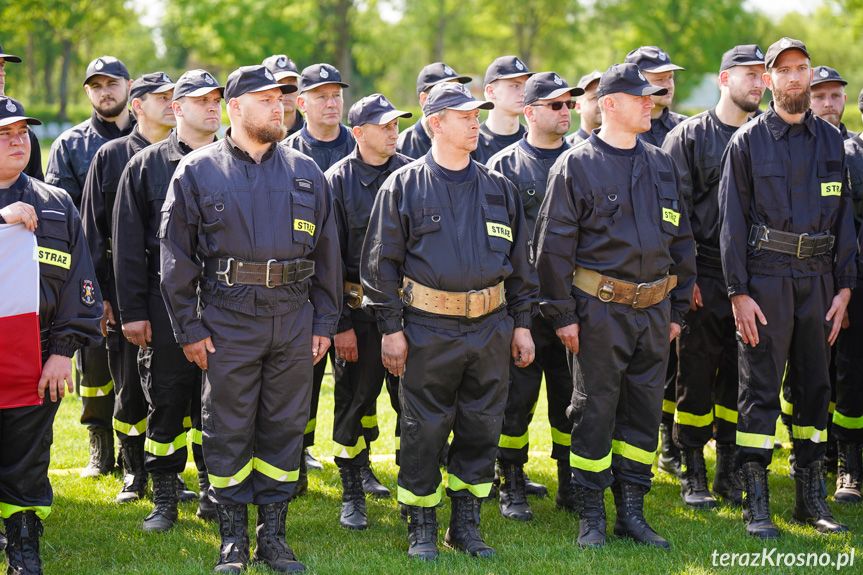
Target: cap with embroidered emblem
281,66
12,111
585,81
627,78
743,55
651,59
9,57
374,109
106,66
246,79
505,67
452,96
195,83
436,73
547,86
822,74
153,83
780,46
319,75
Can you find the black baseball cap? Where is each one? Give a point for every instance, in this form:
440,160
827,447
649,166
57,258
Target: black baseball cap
627,78
12,111
9,57
281,66
106,66
781,46
319,75
196,83
547,86
452,96
153,83
589,79
506,67
374,109
436,73
824,74
651,59
247,79
743,55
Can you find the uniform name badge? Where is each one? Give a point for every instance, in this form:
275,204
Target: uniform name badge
669,215
499,231
831,189
304,226
54,258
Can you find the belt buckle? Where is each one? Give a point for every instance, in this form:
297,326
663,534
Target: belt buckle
354,299
800,245
638,293
267,278
765,239
226,273
467,302
407,294
606,292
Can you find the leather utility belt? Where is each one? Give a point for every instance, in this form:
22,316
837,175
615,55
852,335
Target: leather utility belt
472,304
801,246
271,273
708,256
355,294
611,290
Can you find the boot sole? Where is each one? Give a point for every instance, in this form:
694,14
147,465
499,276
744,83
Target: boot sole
706,505
378,494
628,536
354,527
296,567
461,549
805,523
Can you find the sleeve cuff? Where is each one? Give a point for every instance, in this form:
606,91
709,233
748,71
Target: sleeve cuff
64,348
564,320
677,317
738,289
131,315
345,324
192,335
846,282
323,329
522,319
390,326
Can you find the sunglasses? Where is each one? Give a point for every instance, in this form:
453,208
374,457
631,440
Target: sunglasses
556,106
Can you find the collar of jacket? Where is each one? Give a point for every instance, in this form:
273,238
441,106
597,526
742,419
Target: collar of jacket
664,118
779,127
109,130
138,140
438,172
177,148
241,154
366,173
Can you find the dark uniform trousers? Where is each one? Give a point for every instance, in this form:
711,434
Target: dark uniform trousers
255,403
130,408
524,388
796,334
617,396
172,388
848,412
455,380
707,373
96,387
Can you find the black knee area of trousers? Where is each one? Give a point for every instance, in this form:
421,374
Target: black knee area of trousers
96,411
130,405
317,380
849,376
27,434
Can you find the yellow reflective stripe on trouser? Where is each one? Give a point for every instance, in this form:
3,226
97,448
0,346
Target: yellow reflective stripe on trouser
310,426
757,440
197,436
8,509
130,429
408,498
594,465
668,406
97,391
481,490
693,420
274,472
809,432
847,422
632,452
349,451
164,449
725,414
236,479
187,422
831,408
787,407
560,438
510,442
369,421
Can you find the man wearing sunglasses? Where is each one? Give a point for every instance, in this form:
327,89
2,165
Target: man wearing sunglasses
612,244
547,105
503,86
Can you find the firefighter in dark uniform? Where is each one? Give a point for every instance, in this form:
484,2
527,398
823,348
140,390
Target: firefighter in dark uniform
547,110
707,346
326,140
612,243
359,373
656,66
34,166
286,72
848,413
587,106
150,97
69,310
503,86
788,254
171,384
446,237
107,87
415,141
254,308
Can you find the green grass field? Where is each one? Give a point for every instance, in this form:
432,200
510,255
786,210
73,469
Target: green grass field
87,533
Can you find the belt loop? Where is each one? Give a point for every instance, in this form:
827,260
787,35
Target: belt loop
226,273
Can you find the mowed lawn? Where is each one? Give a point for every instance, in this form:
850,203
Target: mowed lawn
87,533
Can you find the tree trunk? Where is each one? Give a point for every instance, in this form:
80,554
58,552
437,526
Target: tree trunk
64,79
48,68
437,55
344,62
31,65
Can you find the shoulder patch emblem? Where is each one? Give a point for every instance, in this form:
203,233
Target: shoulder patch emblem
88,293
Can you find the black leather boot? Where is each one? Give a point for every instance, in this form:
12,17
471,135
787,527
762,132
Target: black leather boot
164,513
849,477
422,532
592,525
533,488
234,533
513,499
693,479
101,453
184,494
567,497
206,507
353,514
23,530
756,501
669,454
810,505
463,533
135,477
630,523
272,548
311,462
371,485
726,481
303,480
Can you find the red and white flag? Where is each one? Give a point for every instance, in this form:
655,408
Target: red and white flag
20,345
